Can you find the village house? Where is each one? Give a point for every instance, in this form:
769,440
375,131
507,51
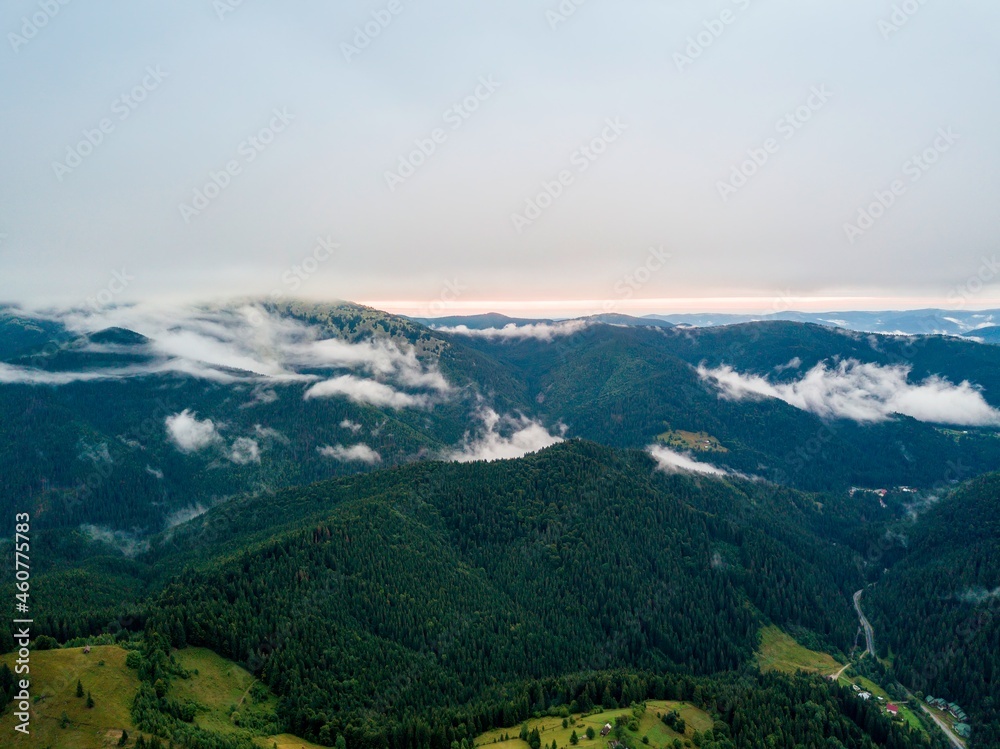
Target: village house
606,730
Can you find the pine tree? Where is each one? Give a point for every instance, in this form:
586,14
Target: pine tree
90,700
79,688
573,738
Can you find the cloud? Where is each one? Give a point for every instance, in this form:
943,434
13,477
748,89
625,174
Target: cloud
369,392
184,514
793,363
502,438
978,595
512,331
229,345
189,434
674,462
127,543
866,393
353,426
359,453
244,451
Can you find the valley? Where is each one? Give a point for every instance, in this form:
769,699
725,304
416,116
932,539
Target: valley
382,536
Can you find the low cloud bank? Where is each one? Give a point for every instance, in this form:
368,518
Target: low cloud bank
244,451
512,331
359,453
230,345
866,393
503,437
189,434
127,543
674,462
978,595
368,392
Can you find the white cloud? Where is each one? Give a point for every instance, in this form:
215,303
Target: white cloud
244,451
365,391
793,363
978,595
359,453
233,344
127,543
503,437
189,434
866,393
674,462
353,426
512,331
185,514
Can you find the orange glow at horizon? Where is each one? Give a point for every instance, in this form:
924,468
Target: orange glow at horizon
674,305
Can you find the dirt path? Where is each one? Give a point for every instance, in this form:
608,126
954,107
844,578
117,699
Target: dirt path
836,676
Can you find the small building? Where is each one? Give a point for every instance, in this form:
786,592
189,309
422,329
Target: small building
855,687
606,730
963,729
929,700
86,650
865,696
893,710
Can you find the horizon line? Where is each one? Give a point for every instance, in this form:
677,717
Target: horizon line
738,305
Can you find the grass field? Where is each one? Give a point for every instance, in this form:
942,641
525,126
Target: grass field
287,741
779,652
697,441
905,711
217,686
54,674
550,728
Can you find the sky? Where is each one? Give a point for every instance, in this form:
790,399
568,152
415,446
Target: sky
538,157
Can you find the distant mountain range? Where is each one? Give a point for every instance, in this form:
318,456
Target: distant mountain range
982,325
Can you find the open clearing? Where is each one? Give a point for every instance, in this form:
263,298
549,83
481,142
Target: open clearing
551,728
780,652
217,686
54,674
697,441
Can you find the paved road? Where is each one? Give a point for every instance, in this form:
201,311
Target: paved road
952,737
866,625
870,638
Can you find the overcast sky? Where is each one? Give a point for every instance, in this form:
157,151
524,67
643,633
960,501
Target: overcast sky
120,118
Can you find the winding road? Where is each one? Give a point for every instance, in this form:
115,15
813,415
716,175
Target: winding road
870,638
865,624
